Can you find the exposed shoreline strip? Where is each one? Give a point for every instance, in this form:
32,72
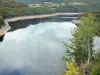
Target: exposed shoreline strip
6,27
14,19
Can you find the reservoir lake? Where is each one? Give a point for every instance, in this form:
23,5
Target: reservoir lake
34,47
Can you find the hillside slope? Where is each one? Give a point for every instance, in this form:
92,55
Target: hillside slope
38,1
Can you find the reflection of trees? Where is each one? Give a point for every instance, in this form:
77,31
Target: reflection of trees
25,23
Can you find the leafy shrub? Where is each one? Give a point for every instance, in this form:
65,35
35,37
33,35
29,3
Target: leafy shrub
95,70
71,69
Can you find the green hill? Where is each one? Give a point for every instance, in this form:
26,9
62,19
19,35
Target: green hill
38,1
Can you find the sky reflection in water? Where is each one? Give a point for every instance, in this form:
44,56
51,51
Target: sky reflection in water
35,50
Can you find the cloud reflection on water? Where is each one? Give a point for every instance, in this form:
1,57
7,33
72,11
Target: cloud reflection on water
35,50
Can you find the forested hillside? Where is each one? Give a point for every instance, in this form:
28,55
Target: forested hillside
10,3
15,8
67,5
38,1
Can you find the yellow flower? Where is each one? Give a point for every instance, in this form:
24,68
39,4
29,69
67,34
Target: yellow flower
71,69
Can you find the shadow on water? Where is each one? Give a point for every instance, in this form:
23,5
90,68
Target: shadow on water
2,38
7,72
24,23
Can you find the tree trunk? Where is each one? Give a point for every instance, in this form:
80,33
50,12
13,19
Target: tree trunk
89,53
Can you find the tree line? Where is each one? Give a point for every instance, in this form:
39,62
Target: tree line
80,56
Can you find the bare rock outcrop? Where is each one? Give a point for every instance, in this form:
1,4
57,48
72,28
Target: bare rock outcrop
4,29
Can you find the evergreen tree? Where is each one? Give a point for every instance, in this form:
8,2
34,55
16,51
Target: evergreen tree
81,47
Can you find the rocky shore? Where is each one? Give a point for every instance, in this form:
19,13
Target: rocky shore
77,22
4,29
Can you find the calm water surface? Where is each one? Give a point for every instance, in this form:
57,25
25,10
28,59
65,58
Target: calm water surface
35,49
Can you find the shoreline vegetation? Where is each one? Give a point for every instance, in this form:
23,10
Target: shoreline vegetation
14,19
80,56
